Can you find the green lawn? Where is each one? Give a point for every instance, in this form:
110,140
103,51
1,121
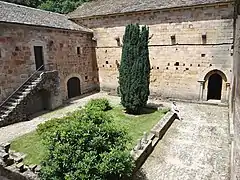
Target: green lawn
31,145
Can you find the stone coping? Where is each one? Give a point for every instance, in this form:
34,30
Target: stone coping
145,146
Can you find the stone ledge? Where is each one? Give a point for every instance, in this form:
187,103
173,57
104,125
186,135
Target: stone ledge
162,126
12,168
141,152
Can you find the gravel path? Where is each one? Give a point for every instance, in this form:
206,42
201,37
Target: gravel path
10,132
196,148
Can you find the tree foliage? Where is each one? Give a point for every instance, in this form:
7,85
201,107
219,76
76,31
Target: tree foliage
134,71
88,146
59,6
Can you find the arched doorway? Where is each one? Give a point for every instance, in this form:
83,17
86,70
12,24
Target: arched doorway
214,87
73,87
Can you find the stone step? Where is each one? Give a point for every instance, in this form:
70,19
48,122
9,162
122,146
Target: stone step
27,90
9,107
9,103
19,96
5,114
14,100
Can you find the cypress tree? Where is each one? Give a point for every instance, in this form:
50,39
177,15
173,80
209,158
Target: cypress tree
134,69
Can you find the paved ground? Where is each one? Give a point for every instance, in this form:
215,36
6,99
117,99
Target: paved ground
10,132
195,149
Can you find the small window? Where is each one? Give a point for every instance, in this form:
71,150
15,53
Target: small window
168,64
86,77
176,68
183,64
118,41
166,67
78,50
210,64
198,65
17,48
203,55
106,62
173,39
157,67
176,64
187,69
190,64
204,38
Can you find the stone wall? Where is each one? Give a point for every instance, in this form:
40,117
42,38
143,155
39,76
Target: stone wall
195,58
17,59
235,110
46,95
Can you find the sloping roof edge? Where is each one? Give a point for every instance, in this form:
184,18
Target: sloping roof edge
75,14
19,14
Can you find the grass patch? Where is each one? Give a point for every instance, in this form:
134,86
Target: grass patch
31,145
138,124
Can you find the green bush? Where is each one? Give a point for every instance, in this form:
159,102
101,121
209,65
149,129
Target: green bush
50,126
101,104
88,146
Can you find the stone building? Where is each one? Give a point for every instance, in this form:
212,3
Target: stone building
235,100
46,58
191,49
33,42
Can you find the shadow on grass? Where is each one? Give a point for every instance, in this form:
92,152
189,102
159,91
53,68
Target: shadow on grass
149,109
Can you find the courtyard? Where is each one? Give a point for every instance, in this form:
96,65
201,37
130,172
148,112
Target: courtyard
198,147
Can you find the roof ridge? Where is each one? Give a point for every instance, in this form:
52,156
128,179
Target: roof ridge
107,7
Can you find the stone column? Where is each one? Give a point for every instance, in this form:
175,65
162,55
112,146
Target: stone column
228,91
201,90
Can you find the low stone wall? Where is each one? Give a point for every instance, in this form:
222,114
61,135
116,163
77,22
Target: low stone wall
146,145
12,168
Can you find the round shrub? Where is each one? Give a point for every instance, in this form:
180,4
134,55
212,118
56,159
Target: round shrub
100,104
89,146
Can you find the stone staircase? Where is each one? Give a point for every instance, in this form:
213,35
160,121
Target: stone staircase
16,98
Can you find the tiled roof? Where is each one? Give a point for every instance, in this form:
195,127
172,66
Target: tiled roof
13,13
104,7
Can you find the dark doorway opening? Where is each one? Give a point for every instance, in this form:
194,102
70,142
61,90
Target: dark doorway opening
214,87
73,87
39,102
38,53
